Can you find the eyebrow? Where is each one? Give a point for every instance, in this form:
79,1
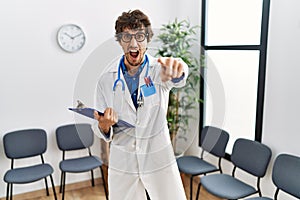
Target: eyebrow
138,30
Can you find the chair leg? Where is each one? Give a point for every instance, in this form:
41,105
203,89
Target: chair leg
61,182
92,175
46,183
191,187
198,191
7,191
53,187
276,193
11,191
63,186
104,184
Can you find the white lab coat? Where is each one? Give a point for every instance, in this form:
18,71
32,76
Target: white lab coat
141,157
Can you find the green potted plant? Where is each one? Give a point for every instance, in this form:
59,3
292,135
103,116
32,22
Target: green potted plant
177,39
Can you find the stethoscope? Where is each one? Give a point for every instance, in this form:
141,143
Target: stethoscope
140,100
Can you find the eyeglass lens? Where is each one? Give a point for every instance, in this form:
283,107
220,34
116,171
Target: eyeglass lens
140,37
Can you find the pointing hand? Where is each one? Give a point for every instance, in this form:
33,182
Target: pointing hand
171,68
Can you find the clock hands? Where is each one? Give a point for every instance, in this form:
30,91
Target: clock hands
77,35
68,35
72,37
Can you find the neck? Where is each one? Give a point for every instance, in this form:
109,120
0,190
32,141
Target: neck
132,69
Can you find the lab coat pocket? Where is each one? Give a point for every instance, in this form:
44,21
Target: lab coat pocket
123,159
152,100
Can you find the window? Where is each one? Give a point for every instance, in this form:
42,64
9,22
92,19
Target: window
233,22
234,42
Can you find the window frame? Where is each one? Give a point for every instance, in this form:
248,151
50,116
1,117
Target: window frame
262,48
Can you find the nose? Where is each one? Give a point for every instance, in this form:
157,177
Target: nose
133,42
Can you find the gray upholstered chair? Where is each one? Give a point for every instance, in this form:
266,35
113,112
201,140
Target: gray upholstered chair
285,176
214,141
77,137
252,157
26,144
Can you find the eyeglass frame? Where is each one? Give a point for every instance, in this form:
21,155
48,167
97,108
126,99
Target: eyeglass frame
120,36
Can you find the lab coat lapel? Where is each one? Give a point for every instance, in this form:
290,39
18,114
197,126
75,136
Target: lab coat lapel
141,79
143,73
128,95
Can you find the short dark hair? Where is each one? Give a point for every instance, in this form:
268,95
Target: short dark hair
133,20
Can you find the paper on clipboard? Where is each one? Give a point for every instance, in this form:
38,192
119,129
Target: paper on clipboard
89,112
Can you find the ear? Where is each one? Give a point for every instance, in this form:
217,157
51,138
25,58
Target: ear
118,38
148,36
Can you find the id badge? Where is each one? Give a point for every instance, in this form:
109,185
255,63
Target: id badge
148,89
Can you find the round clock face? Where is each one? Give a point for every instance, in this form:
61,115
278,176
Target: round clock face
70,37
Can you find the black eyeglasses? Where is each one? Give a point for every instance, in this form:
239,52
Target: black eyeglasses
139,37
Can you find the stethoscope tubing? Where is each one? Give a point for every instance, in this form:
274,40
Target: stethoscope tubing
119,73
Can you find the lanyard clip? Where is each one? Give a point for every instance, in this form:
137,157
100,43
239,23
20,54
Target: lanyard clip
140,101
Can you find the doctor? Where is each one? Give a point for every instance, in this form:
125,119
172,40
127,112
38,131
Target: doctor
136,89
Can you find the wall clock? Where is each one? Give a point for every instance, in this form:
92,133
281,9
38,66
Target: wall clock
71,38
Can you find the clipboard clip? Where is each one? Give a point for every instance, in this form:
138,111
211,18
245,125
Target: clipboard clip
80,105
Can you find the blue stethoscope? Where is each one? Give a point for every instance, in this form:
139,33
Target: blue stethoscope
140,100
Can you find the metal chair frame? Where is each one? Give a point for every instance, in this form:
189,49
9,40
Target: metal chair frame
10,141
64,150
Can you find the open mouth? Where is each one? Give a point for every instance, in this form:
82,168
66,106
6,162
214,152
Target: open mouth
134,53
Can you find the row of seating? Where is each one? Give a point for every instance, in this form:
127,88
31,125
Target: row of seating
33,142
250,156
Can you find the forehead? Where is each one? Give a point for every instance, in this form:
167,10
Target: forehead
129,30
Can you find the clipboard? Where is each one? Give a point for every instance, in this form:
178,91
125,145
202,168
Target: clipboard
89,112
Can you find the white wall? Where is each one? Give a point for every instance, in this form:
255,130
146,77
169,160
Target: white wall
282,92
281,117
37,78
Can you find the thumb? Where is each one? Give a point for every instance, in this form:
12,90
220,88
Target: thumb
96,115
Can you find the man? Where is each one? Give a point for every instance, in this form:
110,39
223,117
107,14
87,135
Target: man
141,156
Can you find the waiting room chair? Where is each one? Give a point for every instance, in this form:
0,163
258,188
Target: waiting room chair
252,157
214,141
77,137
285,176
26,144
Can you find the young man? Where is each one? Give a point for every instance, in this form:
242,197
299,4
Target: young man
141,156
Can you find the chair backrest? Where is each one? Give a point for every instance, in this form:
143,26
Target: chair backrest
74,137
214,140
286,174
25,143
251,156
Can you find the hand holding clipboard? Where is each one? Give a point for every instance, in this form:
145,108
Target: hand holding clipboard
89,112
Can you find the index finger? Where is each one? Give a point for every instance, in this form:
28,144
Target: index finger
107,112
162,60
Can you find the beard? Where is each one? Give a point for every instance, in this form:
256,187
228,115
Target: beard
132,60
